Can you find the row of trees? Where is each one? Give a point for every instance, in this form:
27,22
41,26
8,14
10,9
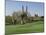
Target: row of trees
19,17
16,15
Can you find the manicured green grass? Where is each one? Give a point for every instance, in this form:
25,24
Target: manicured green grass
34,27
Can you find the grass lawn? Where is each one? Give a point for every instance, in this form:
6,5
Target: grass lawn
34,27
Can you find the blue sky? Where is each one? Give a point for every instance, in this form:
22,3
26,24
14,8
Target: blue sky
33,7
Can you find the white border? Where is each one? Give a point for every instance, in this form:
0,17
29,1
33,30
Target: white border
2,24
2,17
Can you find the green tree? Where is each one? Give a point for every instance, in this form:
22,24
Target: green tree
36,15
14,17
8,19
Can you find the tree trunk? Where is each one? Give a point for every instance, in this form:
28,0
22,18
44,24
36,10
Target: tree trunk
22,22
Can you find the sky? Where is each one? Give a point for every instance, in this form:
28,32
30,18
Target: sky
33,7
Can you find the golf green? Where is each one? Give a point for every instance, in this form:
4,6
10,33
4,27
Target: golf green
34,27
